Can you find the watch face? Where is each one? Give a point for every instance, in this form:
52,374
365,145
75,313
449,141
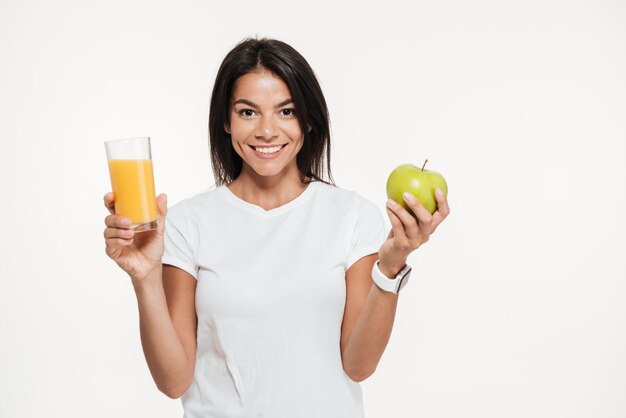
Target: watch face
405,279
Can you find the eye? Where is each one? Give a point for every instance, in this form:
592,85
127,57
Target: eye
288,112
246,113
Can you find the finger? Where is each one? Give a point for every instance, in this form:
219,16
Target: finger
397,230
397,225
423,215
162,207
118,233
113,245
409,223
443,210
109,202
115,221
118,242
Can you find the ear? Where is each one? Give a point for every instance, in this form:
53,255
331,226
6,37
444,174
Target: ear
310,128
227,128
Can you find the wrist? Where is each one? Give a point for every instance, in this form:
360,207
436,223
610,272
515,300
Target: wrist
392,279
152,280
390,270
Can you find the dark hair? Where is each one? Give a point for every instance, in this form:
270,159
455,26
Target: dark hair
285,62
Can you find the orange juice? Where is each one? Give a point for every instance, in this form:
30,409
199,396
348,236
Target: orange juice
133,188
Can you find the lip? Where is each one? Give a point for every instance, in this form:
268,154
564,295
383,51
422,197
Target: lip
270,156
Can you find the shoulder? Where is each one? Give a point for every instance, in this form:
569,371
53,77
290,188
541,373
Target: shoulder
345,199
197,204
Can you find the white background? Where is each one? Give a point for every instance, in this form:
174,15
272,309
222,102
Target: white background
516,306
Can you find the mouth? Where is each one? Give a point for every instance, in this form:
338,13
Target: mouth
268,153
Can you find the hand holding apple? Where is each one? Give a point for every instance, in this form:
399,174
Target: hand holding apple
418,182
415,211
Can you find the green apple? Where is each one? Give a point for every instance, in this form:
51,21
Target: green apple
417,181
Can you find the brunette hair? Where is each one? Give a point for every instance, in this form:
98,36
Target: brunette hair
285,62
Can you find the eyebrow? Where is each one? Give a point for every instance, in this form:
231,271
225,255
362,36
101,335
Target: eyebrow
249,103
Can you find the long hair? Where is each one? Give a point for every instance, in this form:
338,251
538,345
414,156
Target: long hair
286,63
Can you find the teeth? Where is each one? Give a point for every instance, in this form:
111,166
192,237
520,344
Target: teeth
268,150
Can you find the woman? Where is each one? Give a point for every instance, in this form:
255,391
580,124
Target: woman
261,298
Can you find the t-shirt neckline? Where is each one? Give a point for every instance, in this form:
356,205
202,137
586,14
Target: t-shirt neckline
272,212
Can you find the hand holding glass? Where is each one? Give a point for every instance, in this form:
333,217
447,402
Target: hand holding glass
132,181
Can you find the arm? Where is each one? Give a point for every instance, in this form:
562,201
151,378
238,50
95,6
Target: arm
167,321
368,319
370,311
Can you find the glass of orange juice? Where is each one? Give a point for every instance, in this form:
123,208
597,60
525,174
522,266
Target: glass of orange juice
132,180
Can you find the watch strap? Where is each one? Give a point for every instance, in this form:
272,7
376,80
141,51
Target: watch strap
391,285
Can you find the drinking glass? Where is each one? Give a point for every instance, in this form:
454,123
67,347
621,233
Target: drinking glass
132,181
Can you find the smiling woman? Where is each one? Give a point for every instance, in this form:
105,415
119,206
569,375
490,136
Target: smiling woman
261,297
270,74
264,126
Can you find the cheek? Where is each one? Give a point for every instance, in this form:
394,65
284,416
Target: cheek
294,132
240,131
237,138
236,146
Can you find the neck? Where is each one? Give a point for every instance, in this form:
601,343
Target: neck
268,192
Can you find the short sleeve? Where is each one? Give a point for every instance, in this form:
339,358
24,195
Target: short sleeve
368,234
178,251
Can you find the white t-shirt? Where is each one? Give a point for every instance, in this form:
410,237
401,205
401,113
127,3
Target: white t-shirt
270,300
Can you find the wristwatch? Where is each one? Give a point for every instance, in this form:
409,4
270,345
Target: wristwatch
391,285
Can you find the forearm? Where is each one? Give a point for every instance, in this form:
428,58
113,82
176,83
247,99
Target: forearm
371,333
162,347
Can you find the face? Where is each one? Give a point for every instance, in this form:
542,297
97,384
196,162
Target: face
264,128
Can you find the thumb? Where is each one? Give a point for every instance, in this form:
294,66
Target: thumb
162,206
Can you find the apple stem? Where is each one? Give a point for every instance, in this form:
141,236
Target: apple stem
424,164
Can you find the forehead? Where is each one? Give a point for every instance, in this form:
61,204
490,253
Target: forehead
261,87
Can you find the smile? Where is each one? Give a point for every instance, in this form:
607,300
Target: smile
268,153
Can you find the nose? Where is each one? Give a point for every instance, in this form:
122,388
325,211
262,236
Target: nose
266,128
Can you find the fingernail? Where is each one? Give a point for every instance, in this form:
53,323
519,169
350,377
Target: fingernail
408,197
391,203
438,192
126,222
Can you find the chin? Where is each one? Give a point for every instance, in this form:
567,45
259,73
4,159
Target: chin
269,173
